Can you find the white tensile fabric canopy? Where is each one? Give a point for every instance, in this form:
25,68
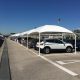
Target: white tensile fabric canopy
44,29
47,29
31,31
16,35
27,32
23,33
51,28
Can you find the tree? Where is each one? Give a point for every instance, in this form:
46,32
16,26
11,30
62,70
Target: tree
0,33
12,33
77,32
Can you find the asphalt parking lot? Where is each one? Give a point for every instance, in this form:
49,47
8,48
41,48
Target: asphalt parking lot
68,61
25,64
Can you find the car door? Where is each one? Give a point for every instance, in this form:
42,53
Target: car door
51,43
59,44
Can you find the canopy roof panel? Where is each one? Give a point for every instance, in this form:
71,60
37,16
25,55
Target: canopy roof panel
23,33
45,29
52,29
16,35
31,31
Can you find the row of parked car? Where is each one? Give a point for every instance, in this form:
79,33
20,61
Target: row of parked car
1,40
46,45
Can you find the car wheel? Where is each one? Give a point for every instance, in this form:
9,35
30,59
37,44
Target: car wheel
47,50
68,49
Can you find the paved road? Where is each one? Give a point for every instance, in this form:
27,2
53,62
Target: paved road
25,65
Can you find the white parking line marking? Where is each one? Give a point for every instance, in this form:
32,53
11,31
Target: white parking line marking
69,62
33,52
60,67
57,65
60,62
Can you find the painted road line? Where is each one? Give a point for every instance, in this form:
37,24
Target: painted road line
60,62
60,67
69,62
33,52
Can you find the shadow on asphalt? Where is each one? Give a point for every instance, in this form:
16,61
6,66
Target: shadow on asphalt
4,65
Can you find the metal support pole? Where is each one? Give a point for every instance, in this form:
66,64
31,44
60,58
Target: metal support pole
27,40
62,36
39,44
75,43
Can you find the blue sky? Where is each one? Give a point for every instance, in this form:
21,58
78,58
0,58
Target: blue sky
21,15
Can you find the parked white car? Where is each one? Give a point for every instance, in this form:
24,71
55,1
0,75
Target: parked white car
55,44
